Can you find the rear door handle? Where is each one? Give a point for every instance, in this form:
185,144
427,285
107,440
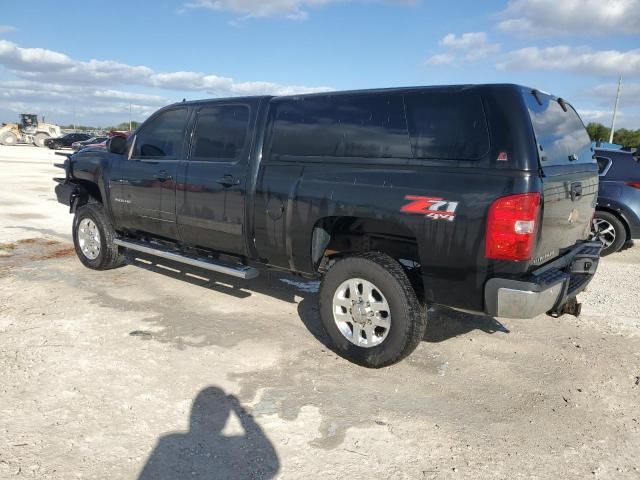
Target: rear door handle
228,181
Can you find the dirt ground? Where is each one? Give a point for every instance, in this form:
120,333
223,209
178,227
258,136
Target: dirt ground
145,372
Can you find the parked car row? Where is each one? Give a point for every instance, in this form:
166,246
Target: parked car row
66,140
91,142
78,141
617,219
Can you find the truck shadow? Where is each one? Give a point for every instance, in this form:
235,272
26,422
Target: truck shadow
442,323
205,452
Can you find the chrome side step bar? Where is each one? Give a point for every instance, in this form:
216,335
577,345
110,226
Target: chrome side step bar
238,271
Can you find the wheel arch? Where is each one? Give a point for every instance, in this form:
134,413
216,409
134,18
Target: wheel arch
335,237
618,213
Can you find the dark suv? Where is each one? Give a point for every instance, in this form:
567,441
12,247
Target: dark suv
475,197
66,141
617,218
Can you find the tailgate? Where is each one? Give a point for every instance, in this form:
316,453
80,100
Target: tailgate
569,174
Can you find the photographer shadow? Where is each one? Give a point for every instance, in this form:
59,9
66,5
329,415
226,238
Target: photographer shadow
204,452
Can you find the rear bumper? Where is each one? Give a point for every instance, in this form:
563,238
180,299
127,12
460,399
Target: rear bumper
545,290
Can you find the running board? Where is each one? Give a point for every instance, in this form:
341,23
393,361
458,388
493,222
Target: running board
238,271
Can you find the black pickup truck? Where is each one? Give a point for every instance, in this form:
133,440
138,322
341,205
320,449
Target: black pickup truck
474,197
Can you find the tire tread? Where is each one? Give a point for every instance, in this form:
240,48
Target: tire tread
416,325
110,257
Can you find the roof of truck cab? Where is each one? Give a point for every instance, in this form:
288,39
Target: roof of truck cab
452,88
460,87
218,99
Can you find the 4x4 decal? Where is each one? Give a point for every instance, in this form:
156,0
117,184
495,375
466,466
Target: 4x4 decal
432,207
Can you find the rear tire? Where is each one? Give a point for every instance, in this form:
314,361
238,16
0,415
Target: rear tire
39,138
370,311
8,139
93,238
610,230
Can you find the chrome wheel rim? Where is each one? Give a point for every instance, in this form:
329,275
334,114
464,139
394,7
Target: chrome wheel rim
604,231
361,313
89,238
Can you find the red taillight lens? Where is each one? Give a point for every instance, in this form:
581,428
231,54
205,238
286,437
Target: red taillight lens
512,227
634,184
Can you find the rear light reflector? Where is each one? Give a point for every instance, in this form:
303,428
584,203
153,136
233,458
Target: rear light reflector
634,184
512,227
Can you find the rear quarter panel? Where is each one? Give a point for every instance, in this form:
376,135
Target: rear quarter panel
297,196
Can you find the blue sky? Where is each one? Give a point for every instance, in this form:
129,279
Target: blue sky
79,58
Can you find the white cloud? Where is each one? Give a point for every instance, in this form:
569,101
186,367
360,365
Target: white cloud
464,41
291,9
625,119
563,17
44,60
598,116
605,94
442,59
49,81
575,59
7,28
469,47
55,67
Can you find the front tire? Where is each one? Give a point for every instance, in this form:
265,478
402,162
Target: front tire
370,311
93,238
610,230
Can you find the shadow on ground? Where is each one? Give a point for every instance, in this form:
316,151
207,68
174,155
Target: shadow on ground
442,323
204,452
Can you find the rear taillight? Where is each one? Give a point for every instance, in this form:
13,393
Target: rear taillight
512,227
634,184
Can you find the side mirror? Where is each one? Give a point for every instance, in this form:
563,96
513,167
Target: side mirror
117,145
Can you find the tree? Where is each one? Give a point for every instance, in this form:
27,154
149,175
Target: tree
598,132
622,136
125,126
628,138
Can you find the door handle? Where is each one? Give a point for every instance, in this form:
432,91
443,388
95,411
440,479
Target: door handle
228,181
163,176
576,191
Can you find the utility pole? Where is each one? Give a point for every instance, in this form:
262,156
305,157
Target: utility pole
615,110
129,117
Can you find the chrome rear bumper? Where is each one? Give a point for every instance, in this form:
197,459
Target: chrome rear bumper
545,290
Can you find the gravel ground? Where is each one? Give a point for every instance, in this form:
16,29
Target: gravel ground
145,372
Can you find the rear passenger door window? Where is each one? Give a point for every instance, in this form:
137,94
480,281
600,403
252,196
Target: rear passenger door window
447,125
221,133
162,137
363,125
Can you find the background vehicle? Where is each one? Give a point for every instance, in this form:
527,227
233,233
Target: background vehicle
617,218
90,141
66,141
478,198
29,130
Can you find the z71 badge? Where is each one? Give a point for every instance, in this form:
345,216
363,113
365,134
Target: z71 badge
431,207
